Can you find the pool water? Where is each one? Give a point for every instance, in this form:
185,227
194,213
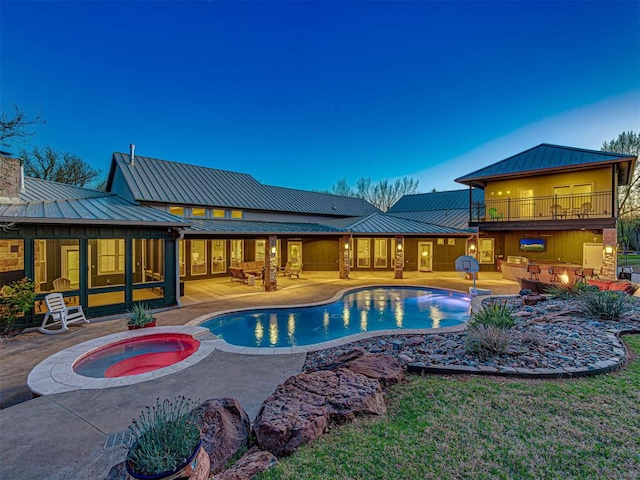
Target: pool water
364,310
136,356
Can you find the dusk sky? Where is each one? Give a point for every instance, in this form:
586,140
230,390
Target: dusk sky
302,94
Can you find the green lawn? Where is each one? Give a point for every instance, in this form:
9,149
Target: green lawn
481,427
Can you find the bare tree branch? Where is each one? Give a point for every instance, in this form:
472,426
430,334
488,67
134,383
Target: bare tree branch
17,126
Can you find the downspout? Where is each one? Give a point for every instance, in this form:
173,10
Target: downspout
178,240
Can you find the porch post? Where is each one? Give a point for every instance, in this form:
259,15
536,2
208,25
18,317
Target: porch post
609,254
344,257
271,265
399,256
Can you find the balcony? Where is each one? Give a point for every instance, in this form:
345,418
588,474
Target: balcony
552,211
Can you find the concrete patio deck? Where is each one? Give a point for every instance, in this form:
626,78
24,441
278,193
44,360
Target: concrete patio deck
63,435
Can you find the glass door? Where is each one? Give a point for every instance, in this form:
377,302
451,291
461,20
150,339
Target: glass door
71,265
425,256
294,254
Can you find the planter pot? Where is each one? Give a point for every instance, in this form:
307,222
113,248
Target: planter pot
135,327
195,468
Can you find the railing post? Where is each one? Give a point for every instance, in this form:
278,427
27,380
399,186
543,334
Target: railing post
509,208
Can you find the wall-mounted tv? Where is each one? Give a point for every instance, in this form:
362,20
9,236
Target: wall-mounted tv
532,244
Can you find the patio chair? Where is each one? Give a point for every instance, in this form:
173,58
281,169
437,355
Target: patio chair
553,274
62,284
534,272
60,313
558,211
584,211
494,215
583,274
295,270
286,269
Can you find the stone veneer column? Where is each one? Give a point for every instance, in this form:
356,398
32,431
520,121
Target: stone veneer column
399,258
609,262
271,265
10,175
344,257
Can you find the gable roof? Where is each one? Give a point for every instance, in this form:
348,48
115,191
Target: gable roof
455,218
163,181
55,203
454,199
382,223
546,158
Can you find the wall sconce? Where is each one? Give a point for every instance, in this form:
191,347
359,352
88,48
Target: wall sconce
346,246
399,247
608,250
472,248
273,250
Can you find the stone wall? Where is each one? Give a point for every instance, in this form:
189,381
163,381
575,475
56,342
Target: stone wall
11,255
9,177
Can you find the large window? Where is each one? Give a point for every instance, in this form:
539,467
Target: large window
148,265
237,252
218,256
380,252
364,253
106,262
260,249
198,257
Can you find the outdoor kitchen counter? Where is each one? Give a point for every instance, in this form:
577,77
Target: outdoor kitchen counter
566,272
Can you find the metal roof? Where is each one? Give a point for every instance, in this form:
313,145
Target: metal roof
546,158
453,199
458,218
154,180
37,189
55,203
390,224
241,227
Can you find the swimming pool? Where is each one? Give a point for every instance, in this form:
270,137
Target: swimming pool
362,310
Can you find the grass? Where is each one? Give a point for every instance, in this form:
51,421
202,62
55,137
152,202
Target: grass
452,427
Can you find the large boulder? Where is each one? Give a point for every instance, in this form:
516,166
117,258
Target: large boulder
225,429
305,405
250,464
384,368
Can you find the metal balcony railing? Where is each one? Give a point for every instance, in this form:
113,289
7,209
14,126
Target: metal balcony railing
549,207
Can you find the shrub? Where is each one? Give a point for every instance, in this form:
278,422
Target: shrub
15,299
568,292
487,340
140,315
163,437
606,305
497,313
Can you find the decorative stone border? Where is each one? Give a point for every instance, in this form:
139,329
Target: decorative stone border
227,347
55,374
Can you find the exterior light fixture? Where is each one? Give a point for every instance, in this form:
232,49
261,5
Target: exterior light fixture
346,246
399,247
472,248
273,250
608,250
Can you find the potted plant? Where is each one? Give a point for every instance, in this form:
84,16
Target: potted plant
16,299
165,443
141,317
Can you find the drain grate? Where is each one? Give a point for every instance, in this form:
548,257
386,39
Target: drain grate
115,439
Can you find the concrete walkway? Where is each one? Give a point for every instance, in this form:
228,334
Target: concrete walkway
62,436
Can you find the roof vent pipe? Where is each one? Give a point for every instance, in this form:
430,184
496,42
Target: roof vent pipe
132,155
22,189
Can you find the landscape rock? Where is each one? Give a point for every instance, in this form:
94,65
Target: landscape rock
250,464
387,370
225,428
305,405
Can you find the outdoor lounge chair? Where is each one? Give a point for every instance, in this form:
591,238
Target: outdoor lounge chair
494,215
286,269
60,313
295,270
237,274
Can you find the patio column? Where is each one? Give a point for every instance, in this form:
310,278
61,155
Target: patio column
271,265
609,254
399,256
344,257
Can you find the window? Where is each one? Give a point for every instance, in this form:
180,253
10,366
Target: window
364,253
237,214
260,250
183,268
198,257
218,256
110,256
237,252
440,241
179,211
380,252
451,241
217,213
198,212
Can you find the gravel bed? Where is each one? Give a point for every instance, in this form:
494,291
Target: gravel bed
549,335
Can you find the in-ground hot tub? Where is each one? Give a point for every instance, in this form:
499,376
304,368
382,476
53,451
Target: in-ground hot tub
121,359
136,355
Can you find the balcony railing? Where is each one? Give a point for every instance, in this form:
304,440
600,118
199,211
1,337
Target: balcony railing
550,207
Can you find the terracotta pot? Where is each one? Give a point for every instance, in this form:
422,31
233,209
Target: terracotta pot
135,327
196,468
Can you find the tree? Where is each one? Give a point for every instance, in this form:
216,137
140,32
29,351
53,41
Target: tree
17,126
50,164
628,195
382,194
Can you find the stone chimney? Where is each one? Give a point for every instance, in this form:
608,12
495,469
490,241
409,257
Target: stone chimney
11,179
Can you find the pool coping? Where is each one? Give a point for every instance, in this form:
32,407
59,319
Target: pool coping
55,374
227,347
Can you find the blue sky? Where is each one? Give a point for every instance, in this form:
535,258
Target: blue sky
301,94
